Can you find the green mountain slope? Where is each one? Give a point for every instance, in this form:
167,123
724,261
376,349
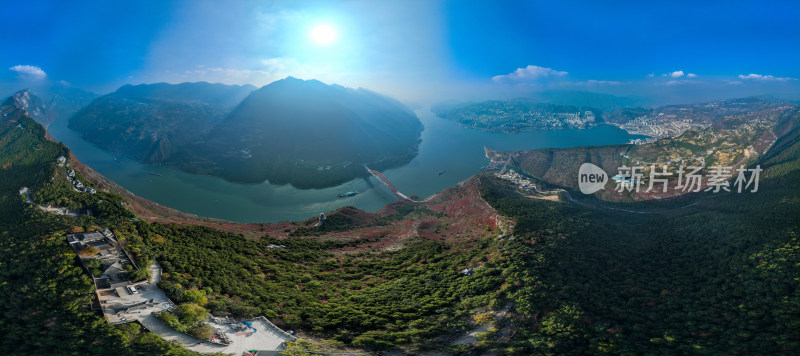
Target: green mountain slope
306,133
149,122
738,134
46,105
721,277
44,294
718,277
376,298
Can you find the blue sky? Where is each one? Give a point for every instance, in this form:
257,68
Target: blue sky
593,39
413,50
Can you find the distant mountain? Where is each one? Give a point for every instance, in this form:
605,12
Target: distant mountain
34,105
11,112
542,110
305,133
582,98
596,101
727,133
47,105
517,115
66,101
214,94
148,122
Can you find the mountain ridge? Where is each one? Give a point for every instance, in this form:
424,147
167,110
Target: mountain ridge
305,133
148,121
291,131
45,105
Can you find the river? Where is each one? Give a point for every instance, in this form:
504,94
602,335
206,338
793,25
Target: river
446,146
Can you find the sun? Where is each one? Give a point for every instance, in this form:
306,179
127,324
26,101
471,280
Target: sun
323,34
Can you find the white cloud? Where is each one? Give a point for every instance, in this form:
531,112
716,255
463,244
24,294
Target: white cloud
676,74
600,82
29,72
651,75
753,76
734,82
678,77
682,82
530,72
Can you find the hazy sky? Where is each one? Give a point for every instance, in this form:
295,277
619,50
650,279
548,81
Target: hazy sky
413,50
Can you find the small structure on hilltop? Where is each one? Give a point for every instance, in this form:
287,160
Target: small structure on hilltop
109,265
79,241
321,220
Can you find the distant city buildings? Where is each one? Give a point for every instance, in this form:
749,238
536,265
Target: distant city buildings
510,118
658,126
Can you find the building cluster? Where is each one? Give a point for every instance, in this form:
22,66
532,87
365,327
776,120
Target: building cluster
639,141
517,119
106,260
552,119
521,182
122,300
659,126
102,245
77,185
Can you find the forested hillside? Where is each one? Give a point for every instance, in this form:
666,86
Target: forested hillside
150,122
719,278
45,294
306,133
356,287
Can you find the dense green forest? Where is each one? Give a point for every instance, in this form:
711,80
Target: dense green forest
719,278
45,295
369,299
373,300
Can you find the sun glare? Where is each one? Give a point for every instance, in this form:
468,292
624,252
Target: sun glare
323,34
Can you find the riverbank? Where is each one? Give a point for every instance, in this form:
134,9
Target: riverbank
445,146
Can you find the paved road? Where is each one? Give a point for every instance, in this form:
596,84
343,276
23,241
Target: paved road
569,197
159,328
